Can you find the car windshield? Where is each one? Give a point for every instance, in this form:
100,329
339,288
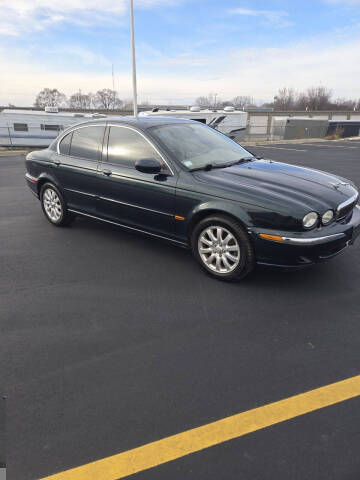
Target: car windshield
197,146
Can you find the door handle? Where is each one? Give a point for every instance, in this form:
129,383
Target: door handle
107,172
57,162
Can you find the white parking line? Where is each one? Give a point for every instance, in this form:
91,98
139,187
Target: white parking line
329,146
281,148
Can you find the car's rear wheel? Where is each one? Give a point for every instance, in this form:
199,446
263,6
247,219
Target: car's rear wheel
54,206
223,248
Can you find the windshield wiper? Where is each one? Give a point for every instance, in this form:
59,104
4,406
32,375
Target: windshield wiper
237,162
210,166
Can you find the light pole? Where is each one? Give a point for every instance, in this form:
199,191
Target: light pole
133,57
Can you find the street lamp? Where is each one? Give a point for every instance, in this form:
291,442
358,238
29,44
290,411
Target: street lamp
133,57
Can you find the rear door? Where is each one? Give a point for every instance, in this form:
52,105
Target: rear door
77,162
127,196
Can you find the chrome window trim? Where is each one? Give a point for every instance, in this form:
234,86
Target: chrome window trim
80,167
132,178
149,142
73,130
129,228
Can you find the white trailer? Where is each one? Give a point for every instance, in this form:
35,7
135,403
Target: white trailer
33,128
229,121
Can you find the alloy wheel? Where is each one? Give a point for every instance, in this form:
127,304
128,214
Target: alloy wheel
52,205
219,249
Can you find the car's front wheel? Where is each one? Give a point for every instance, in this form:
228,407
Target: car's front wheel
54,206
223,248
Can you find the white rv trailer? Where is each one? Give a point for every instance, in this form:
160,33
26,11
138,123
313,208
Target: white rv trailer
229,121
33,128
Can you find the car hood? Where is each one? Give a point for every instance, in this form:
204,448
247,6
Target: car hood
274,184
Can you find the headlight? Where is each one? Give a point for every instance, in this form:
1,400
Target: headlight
327,217
310,220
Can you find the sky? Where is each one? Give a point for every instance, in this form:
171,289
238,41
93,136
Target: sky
184,48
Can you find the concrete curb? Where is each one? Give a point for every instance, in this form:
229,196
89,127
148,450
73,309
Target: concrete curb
8,153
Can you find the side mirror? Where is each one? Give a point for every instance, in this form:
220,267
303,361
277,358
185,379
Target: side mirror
148,165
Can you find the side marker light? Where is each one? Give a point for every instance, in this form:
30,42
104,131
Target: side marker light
274,238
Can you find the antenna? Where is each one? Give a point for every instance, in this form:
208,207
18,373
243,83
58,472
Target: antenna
113,84
112,74
133,57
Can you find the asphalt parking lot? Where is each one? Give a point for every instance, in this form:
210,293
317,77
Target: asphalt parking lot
112,340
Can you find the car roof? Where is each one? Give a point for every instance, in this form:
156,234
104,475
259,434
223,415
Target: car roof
142,122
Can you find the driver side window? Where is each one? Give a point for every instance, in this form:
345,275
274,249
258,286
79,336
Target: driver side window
126,147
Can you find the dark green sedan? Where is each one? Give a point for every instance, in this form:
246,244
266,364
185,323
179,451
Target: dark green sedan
182,181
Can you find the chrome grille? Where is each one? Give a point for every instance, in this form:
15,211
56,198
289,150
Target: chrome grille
345,208
345,211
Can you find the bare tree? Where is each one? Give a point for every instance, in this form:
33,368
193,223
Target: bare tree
50,97
203,101
344,104
241,101
285,99
80,101
209,101
302,102
107,99
225,103
318,98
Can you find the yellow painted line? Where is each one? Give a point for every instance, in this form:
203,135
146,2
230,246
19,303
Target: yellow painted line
281,148
177,446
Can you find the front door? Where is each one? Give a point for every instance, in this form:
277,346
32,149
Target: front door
127,196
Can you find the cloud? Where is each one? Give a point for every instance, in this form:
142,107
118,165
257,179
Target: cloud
8,29
81,54
255,71
40,14
275,17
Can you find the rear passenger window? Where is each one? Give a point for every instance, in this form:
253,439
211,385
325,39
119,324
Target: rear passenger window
127,146
87,142
65,143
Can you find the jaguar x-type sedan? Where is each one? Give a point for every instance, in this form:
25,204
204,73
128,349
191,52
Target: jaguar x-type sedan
182,181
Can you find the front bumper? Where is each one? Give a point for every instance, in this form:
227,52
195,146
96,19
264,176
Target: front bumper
299,249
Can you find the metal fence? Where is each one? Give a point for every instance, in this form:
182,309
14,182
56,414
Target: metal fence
268,125
284,132
259,126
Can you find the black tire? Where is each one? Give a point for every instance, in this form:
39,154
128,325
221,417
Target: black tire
61,217
245,262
